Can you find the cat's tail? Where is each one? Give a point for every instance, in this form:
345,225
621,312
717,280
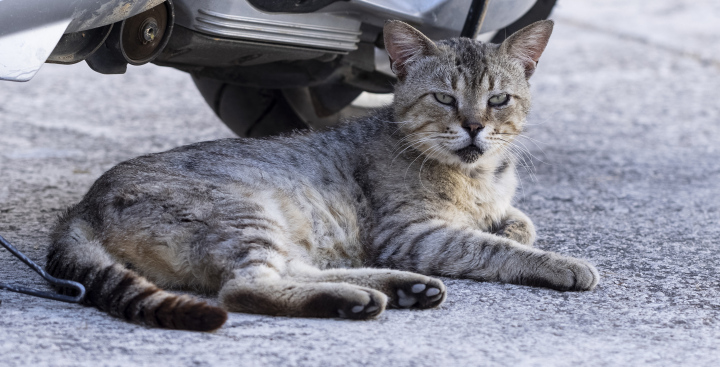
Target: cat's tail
76,254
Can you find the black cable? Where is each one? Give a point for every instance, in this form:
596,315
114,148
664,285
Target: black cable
54,281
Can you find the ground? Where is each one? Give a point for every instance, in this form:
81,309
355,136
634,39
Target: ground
625,135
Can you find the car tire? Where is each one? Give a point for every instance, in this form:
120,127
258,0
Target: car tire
249,112
257,112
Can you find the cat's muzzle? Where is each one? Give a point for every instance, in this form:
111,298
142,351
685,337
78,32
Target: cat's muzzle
470,153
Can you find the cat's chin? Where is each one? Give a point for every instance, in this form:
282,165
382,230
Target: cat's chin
470,154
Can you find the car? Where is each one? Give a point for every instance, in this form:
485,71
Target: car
264,66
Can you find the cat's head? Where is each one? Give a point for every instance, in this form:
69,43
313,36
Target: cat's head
460,100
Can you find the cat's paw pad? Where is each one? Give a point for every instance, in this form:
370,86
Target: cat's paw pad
420,295
363,308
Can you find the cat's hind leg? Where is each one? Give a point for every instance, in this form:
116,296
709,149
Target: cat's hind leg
404,289
260,289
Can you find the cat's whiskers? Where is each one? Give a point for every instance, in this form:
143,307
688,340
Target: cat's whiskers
527,164
530,153
413,161
399,123
530,158
519,151
446,136
409,145
409,136
508,155
522,155
412,144
542,122
406,144
434,149
536,142
531,139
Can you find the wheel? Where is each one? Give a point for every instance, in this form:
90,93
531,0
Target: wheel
257,112
249,112
541,10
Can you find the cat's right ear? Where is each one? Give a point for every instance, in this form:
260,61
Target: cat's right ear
526,45
404,45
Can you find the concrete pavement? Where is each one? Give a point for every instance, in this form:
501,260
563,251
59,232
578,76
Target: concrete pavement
625,139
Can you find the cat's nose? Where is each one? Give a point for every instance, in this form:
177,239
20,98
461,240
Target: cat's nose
472,127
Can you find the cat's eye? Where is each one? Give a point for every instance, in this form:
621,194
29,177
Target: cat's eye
498,99
444,98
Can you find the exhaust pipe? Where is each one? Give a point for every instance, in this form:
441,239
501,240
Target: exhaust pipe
136,40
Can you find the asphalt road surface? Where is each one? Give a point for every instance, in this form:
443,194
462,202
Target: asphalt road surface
625,139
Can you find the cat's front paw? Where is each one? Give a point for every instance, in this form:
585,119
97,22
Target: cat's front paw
571,274
428,293
586,276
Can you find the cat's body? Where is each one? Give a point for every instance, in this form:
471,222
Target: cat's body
309,225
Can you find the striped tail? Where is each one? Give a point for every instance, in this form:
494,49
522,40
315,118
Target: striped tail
74,254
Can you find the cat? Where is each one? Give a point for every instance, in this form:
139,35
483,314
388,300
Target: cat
337,223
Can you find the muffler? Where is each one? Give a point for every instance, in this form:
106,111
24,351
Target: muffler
136,40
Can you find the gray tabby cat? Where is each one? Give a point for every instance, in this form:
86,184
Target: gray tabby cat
311,224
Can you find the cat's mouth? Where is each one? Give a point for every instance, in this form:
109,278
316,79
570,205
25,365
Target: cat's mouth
470,153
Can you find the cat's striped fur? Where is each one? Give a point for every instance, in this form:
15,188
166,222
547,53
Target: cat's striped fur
312,224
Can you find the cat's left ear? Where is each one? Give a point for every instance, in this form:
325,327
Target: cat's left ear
527,44
404,45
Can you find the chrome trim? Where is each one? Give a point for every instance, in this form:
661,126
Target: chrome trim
237,19
277,31
437,19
